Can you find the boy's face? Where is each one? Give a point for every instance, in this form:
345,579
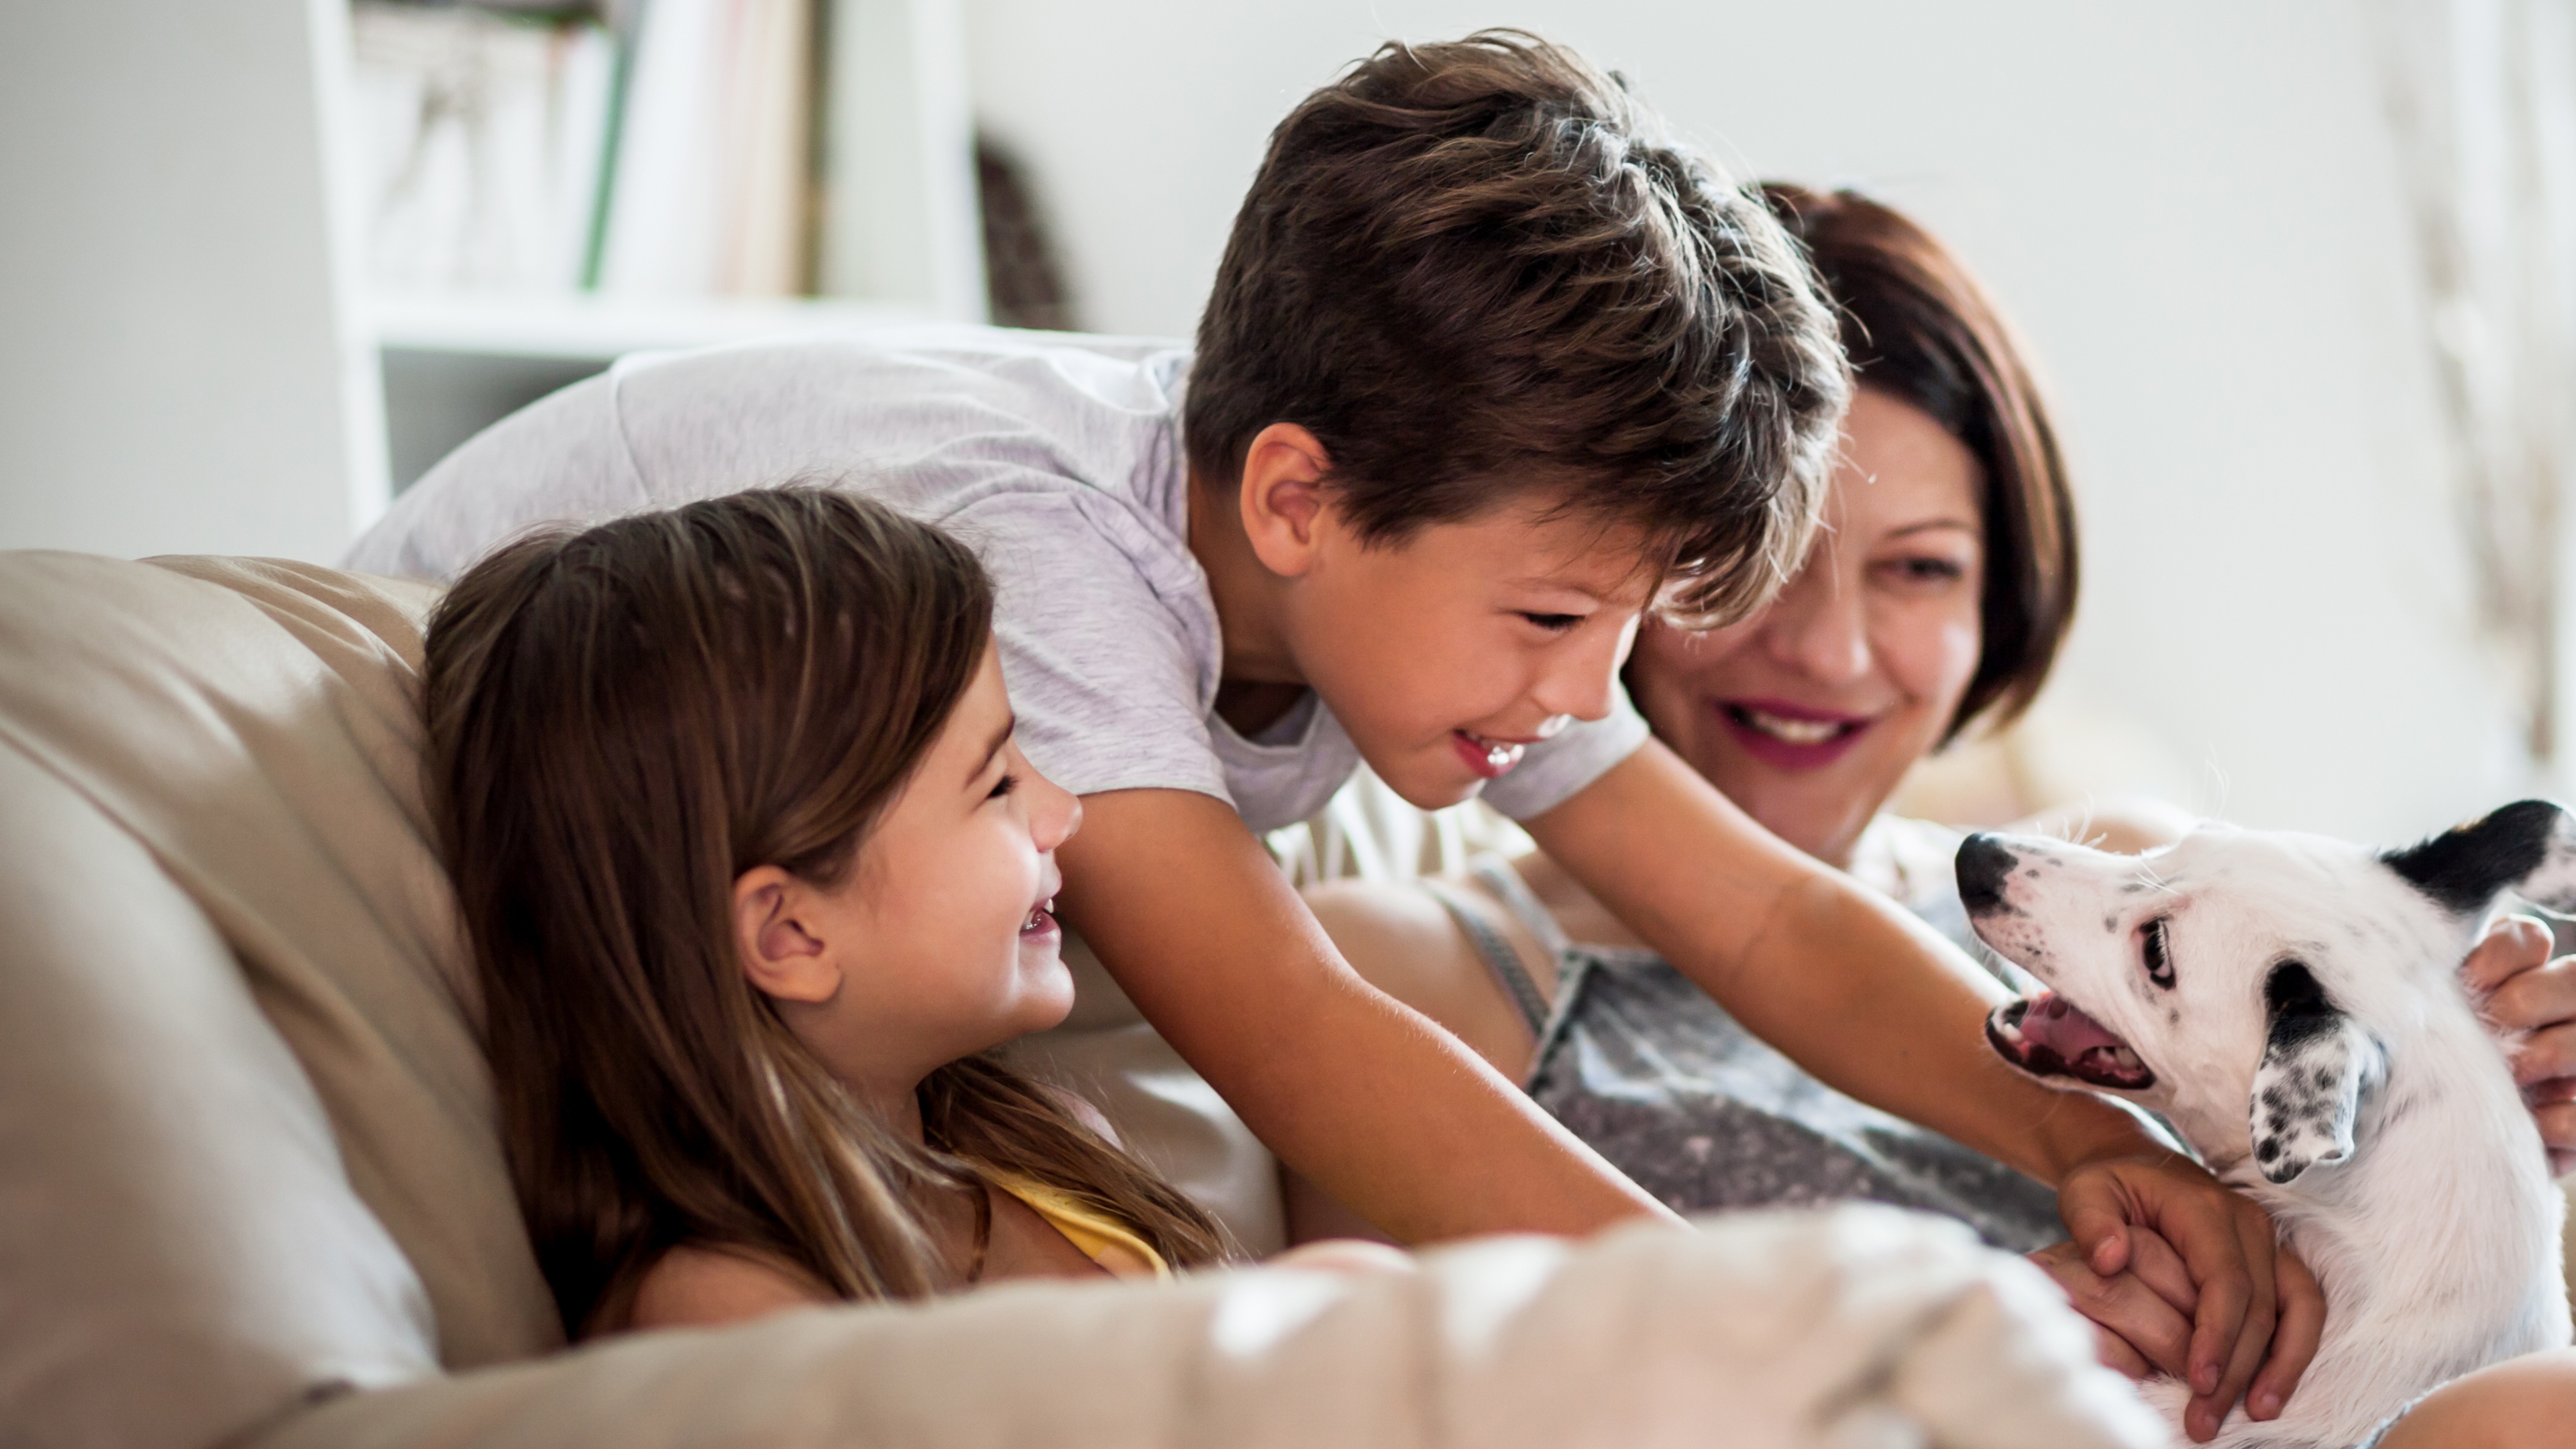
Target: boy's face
1446,655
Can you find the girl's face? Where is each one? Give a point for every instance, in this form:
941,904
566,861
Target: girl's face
940,943
1808,714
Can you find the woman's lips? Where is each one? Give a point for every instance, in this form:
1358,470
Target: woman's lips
1790,736
1489,759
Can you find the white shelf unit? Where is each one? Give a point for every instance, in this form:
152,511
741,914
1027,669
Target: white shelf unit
454,365
901,242
192,361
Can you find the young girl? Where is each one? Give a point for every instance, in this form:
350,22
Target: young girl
754,874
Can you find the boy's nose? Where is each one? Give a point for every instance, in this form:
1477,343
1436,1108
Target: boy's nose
1581,683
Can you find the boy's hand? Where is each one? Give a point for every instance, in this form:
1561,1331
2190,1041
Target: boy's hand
2250,1297
2520,989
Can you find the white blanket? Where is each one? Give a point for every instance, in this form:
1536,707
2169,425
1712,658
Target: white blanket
1862,1328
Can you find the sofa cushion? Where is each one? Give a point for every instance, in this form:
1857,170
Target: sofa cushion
255,727
180,1254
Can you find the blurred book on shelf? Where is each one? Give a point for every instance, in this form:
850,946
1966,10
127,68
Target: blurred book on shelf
655,148
482,136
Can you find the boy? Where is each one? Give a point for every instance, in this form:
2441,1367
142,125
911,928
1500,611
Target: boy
1489,370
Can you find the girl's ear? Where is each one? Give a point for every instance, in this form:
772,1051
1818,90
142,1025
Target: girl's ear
1282,496
781,956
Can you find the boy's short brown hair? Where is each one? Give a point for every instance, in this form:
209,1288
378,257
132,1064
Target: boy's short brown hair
1481,268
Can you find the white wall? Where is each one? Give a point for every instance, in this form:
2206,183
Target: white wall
2191,207
176,371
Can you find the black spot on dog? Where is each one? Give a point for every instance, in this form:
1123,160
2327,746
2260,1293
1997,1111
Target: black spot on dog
2463,869
2298,1007
2267,1151
2173,1017
2111,925
2133,887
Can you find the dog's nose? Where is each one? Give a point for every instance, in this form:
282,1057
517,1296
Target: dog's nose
1983,866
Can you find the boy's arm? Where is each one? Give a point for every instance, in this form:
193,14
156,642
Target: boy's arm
1365,1096
1874,1003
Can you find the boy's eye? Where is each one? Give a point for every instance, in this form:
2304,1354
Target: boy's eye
1553,623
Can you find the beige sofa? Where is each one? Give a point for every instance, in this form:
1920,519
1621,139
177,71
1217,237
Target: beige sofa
250,1194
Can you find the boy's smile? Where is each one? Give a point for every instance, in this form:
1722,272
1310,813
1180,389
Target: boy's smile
1445,653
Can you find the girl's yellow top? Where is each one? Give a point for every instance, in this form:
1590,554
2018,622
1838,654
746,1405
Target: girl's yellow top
1104,1240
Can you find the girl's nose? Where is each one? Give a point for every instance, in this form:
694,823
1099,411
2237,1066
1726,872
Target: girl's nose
1054,815
1820,626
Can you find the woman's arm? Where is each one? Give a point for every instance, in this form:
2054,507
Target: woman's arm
1402,940
1381,1108
2522,1403
1875,1004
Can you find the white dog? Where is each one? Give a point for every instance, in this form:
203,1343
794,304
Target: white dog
2293,1005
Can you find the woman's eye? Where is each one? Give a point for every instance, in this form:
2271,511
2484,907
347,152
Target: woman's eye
1927,570
1554,623
2153,945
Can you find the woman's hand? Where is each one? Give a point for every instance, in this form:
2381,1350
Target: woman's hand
2520,989
2141,1314
2257,1312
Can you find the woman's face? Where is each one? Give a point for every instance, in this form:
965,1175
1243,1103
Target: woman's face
1808,714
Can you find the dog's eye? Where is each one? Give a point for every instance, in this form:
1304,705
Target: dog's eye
2159,964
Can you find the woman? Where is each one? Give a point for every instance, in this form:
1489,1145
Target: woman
1935,601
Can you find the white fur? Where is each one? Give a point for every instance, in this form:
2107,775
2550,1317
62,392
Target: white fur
2437,1238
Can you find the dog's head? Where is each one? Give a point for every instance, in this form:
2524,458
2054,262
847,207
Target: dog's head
2245,983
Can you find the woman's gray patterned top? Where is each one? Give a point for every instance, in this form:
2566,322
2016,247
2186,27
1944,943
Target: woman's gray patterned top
1643,1065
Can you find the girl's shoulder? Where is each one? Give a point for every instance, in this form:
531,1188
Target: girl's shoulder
698,1285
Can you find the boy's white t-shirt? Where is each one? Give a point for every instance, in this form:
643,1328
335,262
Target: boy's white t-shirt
1057,459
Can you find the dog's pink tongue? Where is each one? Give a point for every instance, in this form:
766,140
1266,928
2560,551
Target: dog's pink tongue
2053,1022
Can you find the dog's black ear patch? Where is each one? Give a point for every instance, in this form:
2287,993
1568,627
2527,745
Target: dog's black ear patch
2316,1064
2463,869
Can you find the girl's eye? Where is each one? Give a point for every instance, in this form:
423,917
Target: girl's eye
1004,786
1554,623
2155,948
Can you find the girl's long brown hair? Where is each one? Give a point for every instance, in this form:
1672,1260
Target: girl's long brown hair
622,721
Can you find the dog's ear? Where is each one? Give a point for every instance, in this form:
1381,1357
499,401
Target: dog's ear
2528,847
2316,1064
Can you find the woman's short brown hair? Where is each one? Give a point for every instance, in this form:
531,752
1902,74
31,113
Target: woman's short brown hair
1919,328
1481,268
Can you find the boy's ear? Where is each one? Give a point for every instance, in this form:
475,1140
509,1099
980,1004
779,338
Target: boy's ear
782,958
1282,496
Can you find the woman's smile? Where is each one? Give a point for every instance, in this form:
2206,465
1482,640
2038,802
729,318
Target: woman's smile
1791,736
